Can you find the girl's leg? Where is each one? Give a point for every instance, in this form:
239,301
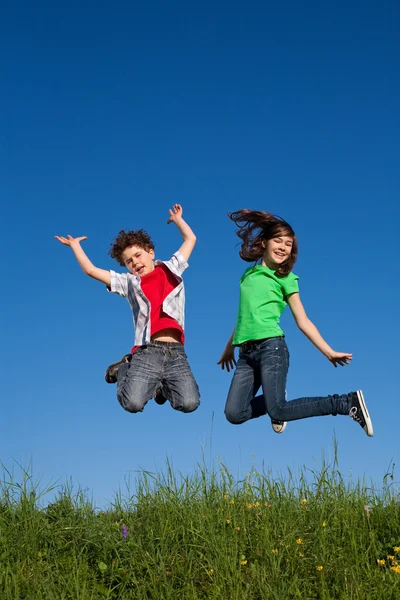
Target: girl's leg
273,357
241,404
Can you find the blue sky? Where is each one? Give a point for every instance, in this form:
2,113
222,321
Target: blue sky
111,113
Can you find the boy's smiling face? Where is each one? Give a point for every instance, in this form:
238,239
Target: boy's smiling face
138,260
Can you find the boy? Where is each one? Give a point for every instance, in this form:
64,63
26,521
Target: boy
158,365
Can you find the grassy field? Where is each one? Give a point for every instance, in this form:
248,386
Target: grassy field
204,537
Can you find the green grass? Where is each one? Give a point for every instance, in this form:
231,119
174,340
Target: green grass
204,537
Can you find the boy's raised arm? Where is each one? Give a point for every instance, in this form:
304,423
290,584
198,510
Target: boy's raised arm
85,263
189,238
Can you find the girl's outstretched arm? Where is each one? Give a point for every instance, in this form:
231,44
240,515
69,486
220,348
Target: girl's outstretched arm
85,263
189,238
227,359
309,330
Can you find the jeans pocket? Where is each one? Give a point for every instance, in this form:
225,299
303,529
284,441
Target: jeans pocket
287,354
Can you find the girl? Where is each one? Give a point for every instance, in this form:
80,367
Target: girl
265,290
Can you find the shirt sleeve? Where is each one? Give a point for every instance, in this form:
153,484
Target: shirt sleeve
178,262
119,284
290,285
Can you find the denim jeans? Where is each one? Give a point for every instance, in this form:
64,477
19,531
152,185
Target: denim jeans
265,364
158,363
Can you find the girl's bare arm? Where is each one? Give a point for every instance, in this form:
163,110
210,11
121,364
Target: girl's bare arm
227,360
310,331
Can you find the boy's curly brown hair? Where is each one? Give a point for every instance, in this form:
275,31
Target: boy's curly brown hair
129,238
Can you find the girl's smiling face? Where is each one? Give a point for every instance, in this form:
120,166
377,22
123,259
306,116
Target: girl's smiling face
277,251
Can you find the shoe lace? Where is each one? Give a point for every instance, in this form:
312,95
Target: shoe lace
353,414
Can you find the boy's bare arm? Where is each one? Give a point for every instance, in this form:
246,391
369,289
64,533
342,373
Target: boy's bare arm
189,238
85,263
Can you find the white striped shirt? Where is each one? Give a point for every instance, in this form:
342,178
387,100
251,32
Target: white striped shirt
128,286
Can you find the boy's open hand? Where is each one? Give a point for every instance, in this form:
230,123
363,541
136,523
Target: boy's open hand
71,240
175,214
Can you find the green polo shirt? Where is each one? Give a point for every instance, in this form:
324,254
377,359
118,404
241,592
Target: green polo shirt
263,298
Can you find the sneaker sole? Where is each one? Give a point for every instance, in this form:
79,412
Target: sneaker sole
109,379
369,430
279,427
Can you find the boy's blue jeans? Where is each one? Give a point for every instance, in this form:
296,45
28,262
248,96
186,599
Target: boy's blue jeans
158,363
266,363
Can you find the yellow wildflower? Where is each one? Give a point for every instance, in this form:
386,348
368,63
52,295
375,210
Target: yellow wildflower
243,562
390,557
228,521
323,523
274,551
301,554
210,571
380,562
396,549
232,502
319,568
249,506
395,569
237,528
225,496
303,501
256,504
267,504
299,541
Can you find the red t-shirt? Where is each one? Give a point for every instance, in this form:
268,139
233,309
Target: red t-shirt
156,286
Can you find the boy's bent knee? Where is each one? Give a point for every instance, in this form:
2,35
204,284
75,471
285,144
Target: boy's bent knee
132,408
132,405
188,405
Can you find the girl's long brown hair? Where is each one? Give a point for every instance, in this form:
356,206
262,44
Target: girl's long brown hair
254,227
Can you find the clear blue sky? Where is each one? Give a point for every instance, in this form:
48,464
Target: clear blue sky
112,112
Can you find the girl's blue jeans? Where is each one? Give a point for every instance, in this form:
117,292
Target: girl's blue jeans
265,364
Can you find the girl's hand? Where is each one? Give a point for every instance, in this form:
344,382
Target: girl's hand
227,360
70,241
340,358
175,214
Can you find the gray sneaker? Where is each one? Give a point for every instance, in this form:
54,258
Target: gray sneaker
159,397
278,426
111,374
358,412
